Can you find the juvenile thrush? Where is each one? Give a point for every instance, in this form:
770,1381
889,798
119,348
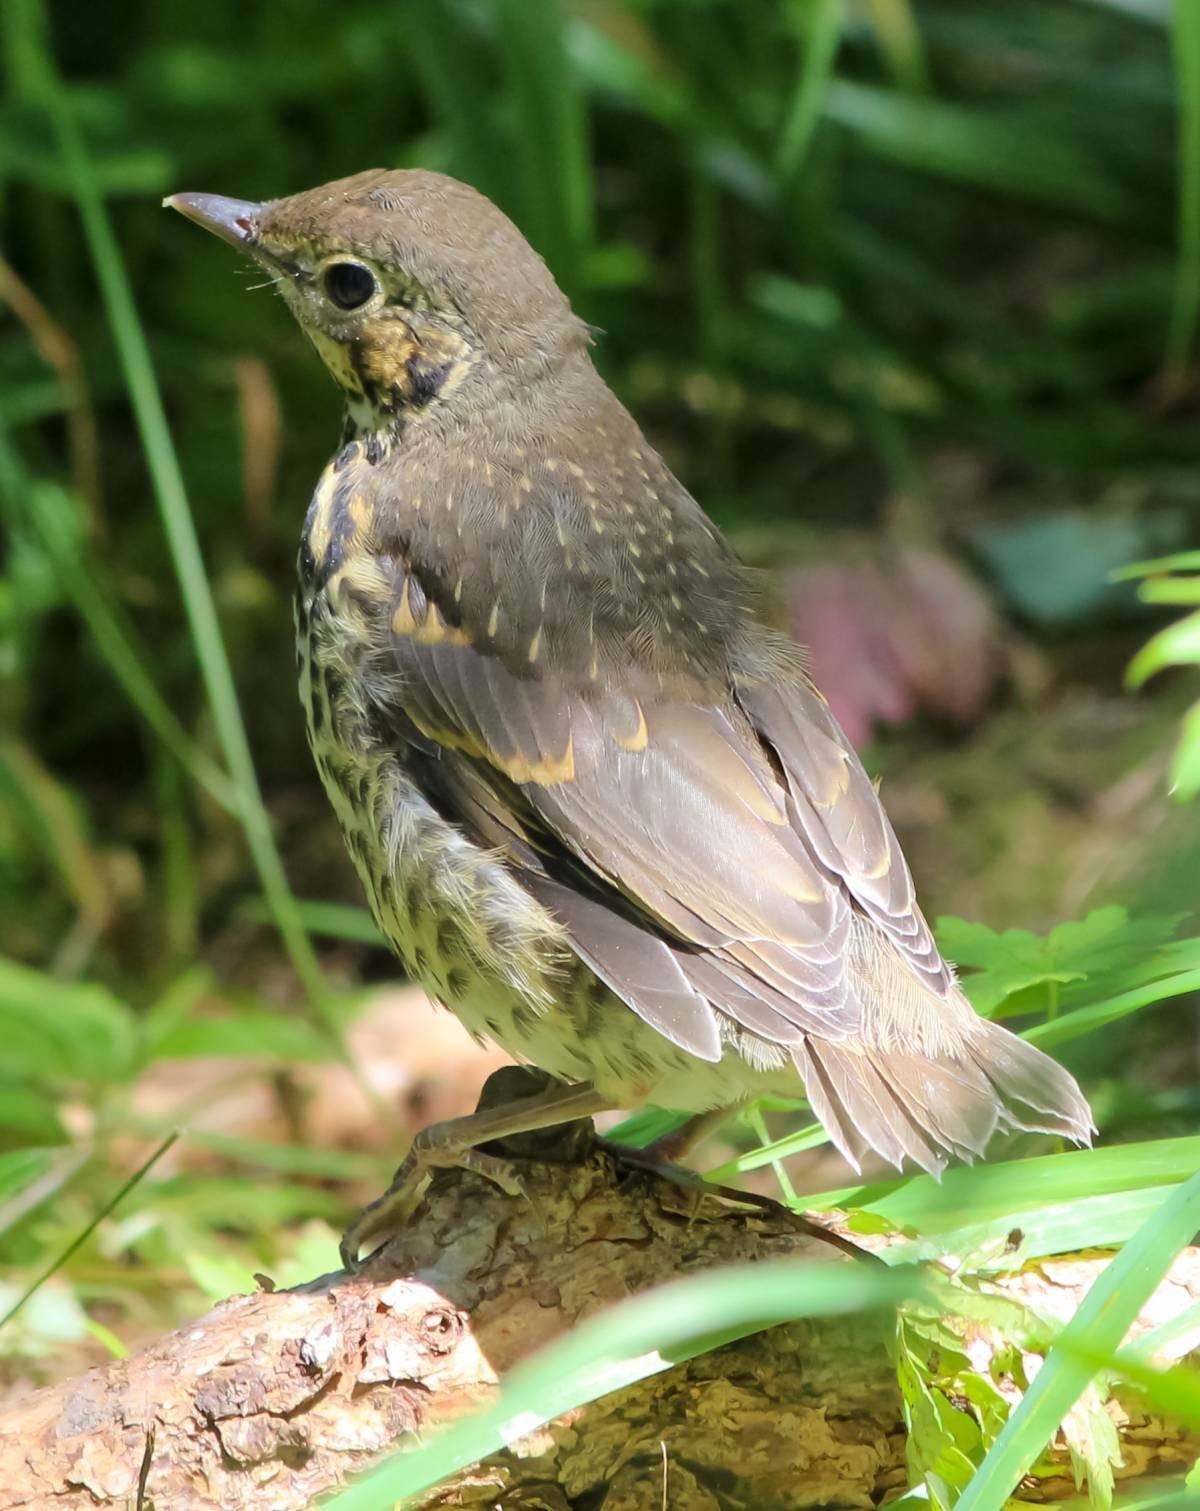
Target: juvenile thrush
598,808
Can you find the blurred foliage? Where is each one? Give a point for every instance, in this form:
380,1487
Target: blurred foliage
1173,580
922,273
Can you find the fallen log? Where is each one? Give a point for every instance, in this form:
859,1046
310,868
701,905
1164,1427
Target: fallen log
275,1398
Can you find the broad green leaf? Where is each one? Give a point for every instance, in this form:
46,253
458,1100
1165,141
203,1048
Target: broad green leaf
1105,952
218,1276
53,1316
28,1116
58,1031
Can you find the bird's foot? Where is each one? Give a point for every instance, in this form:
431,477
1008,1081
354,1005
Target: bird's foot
437,1147
454,1144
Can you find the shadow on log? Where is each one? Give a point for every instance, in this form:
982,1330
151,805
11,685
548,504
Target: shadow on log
274,1398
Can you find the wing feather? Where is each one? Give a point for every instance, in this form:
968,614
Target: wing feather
835,807
672,804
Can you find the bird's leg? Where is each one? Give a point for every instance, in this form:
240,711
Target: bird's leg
454,1143
671,1147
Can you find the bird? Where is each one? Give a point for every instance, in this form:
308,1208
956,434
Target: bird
598,807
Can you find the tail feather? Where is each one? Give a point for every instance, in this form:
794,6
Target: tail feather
857,1105
931,1110
831,1111
1039,1096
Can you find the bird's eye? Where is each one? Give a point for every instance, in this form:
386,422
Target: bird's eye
349,285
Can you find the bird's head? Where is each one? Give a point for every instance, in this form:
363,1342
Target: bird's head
409,284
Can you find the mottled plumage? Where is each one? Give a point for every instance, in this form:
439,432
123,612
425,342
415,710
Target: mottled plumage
597,806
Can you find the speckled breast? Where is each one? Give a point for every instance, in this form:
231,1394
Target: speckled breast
461,924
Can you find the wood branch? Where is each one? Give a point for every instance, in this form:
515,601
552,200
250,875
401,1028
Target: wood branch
273,1398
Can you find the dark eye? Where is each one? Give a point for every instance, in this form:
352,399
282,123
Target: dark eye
349,285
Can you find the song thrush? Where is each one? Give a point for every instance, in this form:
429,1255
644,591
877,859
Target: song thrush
597,806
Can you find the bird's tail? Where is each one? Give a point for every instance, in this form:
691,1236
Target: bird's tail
934,1109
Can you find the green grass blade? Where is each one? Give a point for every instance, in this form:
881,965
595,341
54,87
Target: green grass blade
449,75
821,25
1185,302
643,1127
899,40
627,1343
811,1136
77,1243
180,530
553,155
986,149
1084,1020
184,544
1008,1240
43,505
329,920
982,1192
1098,1328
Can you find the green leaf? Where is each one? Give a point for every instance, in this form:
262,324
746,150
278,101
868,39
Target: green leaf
1106,951
1177,645
1185,763
52,1317
28,1116
57,1032
218,1276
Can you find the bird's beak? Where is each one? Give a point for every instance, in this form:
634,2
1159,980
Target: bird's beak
233,220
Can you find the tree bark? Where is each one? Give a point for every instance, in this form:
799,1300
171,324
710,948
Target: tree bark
274,1398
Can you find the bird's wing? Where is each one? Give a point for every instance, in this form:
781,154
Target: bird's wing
699,854
835,805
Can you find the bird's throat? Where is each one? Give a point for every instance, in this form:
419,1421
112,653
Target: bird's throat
391,375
